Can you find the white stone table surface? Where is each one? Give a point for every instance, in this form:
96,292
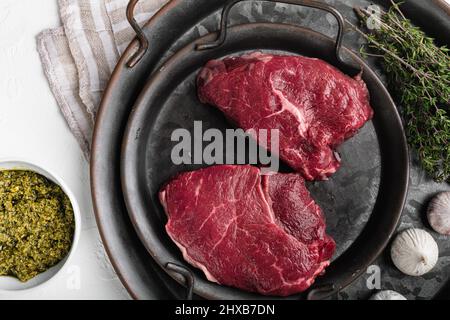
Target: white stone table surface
32,127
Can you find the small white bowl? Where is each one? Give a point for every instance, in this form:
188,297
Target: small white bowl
10,284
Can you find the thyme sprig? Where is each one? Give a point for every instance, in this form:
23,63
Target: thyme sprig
418,73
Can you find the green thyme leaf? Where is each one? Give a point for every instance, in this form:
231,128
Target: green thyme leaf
418,73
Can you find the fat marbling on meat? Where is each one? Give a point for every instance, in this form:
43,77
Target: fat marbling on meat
258,233
314,106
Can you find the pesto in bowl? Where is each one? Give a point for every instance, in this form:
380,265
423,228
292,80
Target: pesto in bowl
37,224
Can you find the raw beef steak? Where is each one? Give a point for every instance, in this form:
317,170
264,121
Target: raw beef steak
259,233
297,212
314,106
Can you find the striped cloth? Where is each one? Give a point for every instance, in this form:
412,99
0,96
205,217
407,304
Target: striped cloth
79,57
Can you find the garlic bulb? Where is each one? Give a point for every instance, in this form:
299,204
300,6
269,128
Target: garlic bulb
439,213
387,295
414,252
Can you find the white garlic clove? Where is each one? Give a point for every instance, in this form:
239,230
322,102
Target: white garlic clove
439,213
414,252
387,295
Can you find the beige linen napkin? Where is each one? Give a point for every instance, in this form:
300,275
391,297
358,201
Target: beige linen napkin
79,57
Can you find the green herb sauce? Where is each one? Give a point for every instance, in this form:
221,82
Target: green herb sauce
36,224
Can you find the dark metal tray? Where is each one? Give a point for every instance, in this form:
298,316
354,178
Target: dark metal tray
138,272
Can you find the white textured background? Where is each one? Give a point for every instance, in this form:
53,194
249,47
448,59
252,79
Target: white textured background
32,127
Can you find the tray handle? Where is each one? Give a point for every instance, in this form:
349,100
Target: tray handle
321,292
142,39
306,3
186,274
